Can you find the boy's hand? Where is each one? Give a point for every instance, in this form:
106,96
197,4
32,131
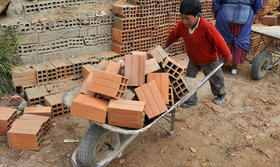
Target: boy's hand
228,59
166,49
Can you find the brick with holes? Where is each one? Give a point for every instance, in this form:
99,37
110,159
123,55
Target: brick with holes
107,84
7,117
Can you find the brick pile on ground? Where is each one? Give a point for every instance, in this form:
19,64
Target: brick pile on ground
28,130
130,96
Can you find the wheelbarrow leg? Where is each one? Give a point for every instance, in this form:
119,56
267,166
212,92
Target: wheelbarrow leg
172,121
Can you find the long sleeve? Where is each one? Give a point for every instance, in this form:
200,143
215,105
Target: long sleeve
174,35
215,6
258,4
215,38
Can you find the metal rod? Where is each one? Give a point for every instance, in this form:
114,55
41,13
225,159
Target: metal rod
172,120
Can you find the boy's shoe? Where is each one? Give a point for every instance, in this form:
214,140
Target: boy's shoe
234,71
219,99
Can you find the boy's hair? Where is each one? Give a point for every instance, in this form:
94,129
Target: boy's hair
190,7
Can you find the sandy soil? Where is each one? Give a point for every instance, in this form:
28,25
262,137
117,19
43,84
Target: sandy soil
243,132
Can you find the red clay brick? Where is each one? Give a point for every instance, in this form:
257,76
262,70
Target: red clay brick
151,66
26,134
7,117
135,68
150,93
180,87
270,20
90,108
86,69
103,65
43,111
162,81
172,67
113,67
158,53
85,86
107,84
126,113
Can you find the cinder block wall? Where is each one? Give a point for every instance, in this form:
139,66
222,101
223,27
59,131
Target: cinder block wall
59,29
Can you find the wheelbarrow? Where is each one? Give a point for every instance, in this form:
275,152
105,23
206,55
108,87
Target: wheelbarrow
102,143
266,54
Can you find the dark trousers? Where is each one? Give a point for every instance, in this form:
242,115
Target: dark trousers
216,81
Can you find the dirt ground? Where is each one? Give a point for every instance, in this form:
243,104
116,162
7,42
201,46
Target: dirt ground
243,132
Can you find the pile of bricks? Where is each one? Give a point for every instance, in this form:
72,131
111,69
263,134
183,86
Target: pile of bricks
258,43
51,95
109,96
27,131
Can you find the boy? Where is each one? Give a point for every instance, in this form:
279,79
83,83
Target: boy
202,43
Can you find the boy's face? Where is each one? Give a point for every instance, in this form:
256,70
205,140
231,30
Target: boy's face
189,20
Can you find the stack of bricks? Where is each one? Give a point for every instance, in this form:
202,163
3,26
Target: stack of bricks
24,77
206,9
258,43
51,95
27,76
144,23
45,32
7,117
28,132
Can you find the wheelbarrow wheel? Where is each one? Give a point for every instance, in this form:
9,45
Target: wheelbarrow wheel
97,145
259,64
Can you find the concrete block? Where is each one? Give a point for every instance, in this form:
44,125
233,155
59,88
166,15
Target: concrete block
28,39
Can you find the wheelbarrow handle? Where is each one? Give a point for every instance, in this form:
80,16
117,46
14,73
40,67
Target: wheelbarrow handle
192,92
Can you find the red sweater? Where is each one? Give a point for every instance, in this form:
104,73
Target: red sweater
203,45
